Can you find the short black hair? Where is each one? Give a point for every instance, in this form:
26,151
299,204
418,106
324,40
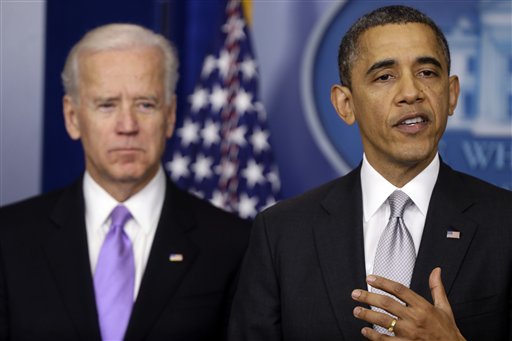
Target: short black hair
396,14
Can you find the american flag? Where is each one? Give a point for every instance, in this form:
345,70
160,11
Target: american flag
453,234
222,152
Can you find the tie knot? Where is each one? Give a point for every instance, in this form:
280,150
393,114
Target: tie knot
398,201
120,215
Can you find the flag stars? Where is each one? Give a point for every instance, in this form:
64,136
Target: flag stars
253,173
259,140
234,28
210,133
198,100
188,133
210,63
270,202
273,178
218,97
178,166
242,101
248,68
224,62
247,206
226,158
217,199
226,169
237,136
202,167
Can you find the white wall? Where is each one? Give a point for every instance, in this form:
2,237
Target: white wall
22,26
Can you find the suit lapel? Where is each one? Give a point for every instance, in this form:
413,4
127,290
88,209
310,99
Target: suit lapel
162,277
68,258
339,241
449,200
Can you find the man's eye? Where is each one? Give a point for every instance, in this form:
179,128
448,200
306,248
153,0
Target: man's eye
106,106
146,106
427,73
385,77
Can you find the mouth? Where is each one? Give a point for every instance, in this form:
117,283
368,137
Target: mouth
125,150
412,124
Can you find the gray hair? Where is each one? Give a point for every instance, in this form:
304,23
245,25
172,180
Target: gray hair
396,14
120,36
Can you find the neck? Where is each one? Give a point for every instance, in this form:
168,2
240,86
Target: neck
399,174
122,189
122,192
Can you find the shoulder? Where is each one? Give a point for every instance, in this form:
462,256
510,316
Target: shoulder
341,186
489,200
202,209
487,205
208,219
34,216
31,208
482,191
304,208
303,203
39,211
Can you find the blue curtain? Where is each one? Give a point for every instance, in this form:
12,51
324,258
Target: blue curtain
186,23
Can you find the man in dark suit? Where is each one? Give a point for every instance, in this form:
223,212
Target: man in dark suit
167,269
310,272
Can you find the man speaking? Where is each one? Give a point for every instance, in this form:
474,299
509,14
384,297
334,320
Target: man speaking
403,247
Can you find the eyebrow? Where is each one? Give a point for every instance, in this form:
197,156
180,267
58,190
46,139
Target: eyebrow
105,99
381,65
429,60
391,62
147,98
117,98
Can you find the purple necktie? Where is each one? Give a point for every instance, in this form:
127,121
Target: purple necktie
114,278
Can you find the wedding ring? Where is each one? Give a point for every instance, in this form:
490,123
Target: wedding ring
392,326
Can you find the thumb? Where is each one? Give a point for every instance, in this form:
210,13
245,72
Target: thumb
438,293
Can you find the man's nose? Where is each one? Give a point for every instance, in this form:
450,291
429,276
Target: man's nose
409,90
127,122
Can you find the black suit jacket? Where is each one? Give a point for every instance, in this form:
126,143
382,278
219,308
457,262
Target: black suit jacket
46,286
306,255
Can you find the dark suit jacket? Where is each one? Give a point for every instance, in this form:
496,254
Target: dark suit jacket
306,255
46,286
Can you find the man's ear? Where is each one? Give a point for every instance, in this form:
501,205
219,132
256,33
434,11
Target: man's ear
454,93
70,109
170,112
341,99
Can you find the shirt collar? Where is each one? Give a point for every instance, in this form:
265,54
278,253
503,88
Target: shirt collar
376,189
142,205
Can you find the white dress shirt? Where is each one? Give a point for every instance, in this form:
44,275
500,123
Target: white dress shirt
376,189
145,207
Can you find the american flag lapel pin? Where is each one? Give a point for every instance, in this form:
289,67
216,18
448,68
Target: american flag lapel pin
452,234
176,257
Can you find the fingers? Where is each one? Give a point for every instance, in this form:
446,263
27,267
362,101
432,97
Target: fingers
404,314
438,292
384,302
437,288
396,289
373,335
417,320
374,317
399,327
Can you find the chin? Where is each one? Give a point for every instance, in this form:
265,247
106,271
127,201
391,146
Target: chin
414,156
127,175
